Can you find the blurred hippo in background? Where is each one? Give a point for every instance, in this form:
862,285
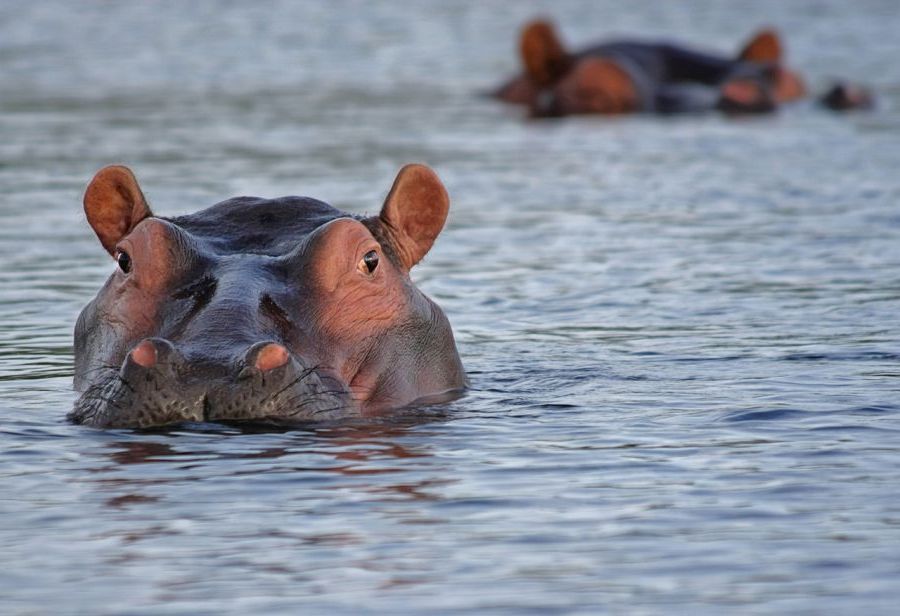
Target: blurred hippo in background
257,309
625,76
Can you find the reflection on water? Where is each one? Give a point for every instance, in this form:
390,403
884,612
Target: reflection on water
681,333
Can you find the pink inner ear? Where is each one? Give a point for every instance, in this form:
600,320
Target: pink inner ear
114,205
414,212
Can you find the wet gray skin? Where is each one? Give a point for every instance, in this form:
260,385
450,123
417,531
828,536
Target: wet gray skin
261,309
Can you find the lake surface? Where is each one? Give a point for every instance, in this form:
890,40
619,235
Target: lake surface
682,334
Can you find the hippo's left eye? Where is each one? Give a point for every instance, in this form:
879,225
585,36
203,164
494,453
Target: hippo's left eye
124,261
368,263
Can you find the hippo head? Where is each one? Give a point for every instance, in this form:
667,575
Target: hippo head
261,309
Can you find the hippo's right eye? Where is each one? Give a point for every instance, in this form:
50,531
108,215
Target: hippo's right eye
124,261
368,263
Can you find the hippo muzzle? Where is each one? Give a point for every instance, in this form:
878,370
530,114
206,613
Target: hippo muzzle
156,385
261,309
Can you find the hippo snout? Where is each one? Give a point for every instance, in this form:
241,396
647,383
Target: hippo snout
157,384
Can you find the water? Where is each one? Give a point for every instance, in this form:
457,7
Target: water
682,334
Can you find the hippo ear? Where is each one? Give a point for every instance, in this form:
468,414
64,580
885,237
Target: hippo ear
414,212
542,53
114,205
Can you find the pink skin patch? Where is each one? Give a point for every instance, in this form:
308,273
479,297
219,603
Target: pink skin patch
742,92
271,356
144,354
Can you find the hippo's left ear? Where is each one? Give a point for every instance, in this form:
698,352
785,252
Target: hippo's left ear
114,205
414,212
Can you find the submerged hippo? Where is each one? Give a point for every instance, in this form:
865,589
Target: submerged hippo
630,76
261,309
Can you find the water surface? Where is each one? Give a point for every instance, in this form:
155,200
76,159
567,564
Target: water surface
682,334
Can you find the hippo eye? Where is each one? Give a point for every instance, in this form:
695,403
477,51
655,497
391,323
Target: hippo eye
369,262
124,261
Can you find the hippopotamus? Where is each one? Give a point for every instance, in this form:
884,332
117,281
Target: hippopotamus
262,310
630,76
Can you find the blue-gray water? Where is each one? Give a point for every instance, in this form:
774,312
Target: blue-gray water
682,334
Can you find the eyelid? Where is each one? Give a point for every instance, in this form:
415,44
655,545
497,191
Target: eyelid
366,246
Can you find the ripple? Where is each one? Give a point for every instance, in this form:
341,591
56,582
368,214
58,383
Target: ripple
681,333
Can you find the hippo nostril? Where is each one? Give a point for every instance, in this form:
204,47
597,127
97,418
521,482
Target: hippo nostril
153,354
271,356
144,354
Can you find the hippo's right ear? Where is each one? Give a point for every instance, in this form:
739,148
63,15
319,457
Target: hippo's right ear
114,205
414,213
